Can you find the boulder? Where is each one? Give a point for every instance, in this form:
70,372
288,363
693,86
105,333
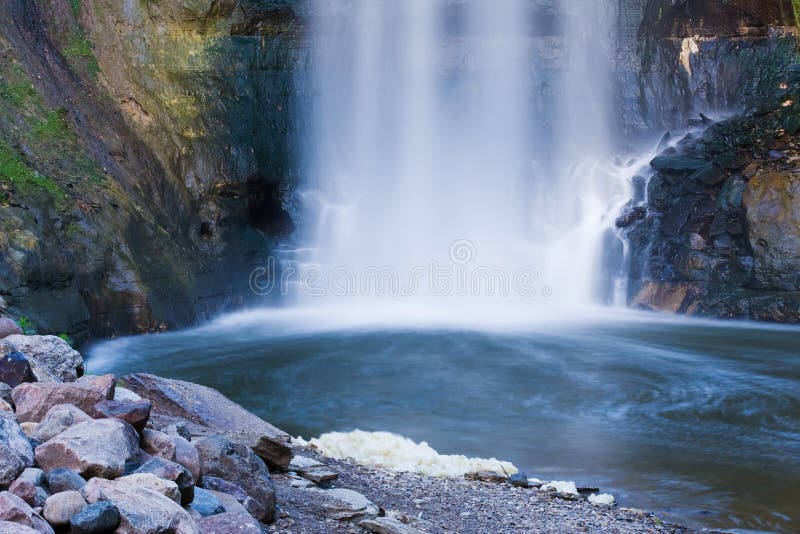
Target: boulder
226,490
33,401
15,450
141,510
15,368
64,479
174,472
204,409
229,523
204,504
135,413
93,448
167,488
58,419
51,358
60,507
103,384
97,518
677,163
9,328
223,458
15,510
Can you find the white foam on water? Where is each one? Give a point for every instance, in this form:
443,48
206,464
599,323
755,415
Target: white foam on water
561,486
395,452
602,499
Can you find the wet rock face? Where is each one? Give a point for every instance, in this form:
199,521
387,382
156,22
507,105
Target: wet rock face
181,131
721,233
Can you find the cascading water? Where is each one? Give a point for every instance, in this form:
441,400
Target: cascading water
464,139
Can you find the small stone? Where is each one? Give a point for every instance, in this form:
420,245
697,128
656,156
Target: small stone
158,444
34,475
174,472
486,476
167,488
229,523
341,504
15,369
51,358
5,392
9,328
64,479
99,447
5,407
58,419
60,507
774,154
519,480
387,525
97,518
134,413
24,489
205,504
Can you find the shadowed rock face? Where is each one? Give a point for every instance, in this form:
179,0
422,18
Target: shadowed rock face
162,134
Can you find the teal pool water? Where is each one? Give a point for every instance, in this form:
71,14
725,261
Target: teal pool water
696,419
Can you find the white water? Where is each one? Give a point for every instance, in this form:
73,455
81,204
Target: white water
476,147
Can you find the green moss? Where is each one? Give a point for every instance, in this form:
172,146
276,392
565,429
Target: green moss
16,88
80,50
18,175
53,128
76,7
27,326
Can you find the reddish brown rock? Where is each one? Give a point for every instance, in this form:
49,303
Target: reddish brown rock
174,472
15,510
135,413
33,401
8,328
94,448
158,444
103,384
52,359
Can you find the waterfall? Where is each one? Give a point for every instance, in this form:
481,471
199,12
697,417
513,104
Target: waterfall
465,138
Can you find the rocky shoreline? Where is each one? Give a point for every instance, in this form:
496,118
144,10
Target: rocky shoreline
143,454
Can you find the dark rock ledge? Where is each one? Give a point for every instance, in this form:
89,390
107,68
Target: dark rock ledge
144,455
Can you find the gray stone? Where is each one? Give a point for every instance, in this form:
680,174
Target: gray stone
7,527
223,458
174,472
34,475
15,449
341,504
312,470
64,479
60,507
125,395
230,503
5,392
58,419
167,488
93,448
8,328
204,504
97,518
235,491
141,510
33,401
15,510
51,358
388,525
229,523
